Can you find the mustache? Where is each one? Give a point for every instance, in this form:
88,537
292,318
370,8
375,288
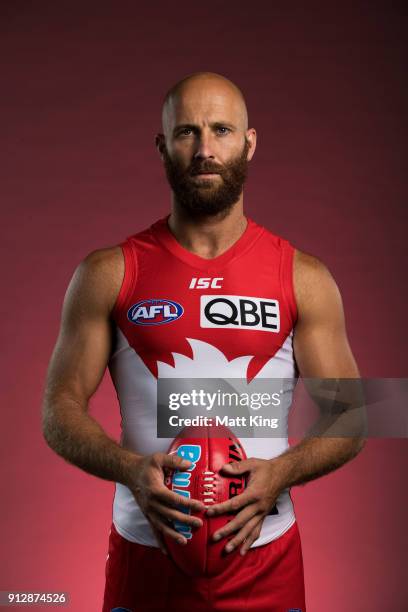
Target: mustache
209,169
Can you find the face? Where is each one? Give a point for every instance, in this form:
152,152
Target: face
207,194
208,150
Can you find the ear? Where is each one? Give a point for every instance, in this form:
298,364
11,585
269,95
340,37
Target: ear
159,141
251,136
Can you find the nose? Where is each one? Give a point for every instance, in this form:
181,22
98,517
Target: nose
203,146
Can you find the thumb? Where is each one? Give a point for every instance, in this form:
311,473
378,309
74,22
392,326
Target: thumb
176,462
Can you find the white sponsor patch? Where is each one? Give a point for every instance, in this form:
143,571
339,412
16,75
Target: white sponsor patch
239,312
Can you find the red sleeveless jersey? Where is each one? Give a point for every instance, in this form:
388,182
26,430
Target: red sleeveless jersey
181,315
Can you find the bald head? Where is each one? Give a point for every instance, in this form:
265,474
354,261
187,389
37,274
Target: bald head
201,93
206,144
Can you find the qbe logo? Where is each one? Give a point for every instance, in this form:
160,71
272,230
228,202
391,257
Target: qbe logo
239,312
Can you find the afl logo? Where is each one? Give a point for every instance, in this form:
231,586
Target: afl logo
154,312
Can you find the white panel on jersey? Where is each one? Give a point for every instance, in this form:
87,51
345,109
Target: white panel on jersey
136,389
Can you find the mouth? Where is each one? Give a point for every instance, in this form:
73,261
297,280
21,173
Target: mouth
206,174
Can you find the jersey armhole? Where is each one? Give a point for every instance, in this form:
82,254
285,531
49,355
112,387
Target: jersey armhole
287,278
129,277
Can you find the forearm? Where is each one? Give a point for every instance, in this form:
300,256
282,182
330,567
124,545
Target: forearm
72,433
314,457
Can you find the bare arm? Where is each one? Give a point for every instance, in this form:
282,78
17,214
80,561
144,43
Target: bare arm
76,368
321,350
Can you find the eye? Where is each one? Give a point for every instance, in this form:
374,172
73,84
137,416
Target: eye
222,127
185,132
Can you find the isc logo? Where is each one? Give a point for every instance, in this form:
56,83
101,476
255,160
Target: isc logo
154,312
206,283
239,312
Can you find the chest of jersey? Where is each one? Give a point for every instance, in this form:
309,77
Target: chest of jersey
205,311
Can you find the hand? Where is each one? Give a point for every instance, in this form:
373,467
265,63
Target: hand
155,500
254,503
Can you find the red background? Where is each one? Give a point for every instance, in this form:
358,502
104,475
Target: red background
82,86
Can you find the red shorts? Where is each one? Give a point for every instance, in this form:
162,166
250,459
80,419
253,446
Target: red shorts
268,578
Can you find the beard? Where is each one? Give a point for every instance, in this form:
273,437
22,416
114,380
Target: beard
201,197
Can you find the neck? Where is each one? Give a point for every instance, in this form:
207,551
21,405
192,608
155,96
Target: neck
208,236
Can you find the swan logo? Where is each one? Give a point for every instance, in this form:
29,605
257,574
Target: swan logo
154,312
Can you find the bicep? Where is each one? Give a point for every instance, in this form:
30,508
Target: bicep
321,346
84,342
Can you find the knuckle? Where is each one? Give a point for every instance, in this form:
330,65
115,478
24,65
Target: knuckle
175,460
238,524
237,540
153,521
187,518
254,536
235,503
182,501
157,458
174,514
173,534
153,492
257,496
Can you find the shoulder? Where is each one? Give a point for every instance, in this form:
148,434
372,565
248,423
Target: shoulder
98,277
315,288
309,268
103,261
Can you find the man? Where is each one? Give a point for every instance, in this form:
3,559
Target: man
205,247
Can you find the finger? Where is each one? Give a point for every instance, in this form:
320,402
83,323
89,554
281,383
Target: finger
242,534
170,498
158,536
165,529
232,505
176,515
237,522
238,467
250,539
175,462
